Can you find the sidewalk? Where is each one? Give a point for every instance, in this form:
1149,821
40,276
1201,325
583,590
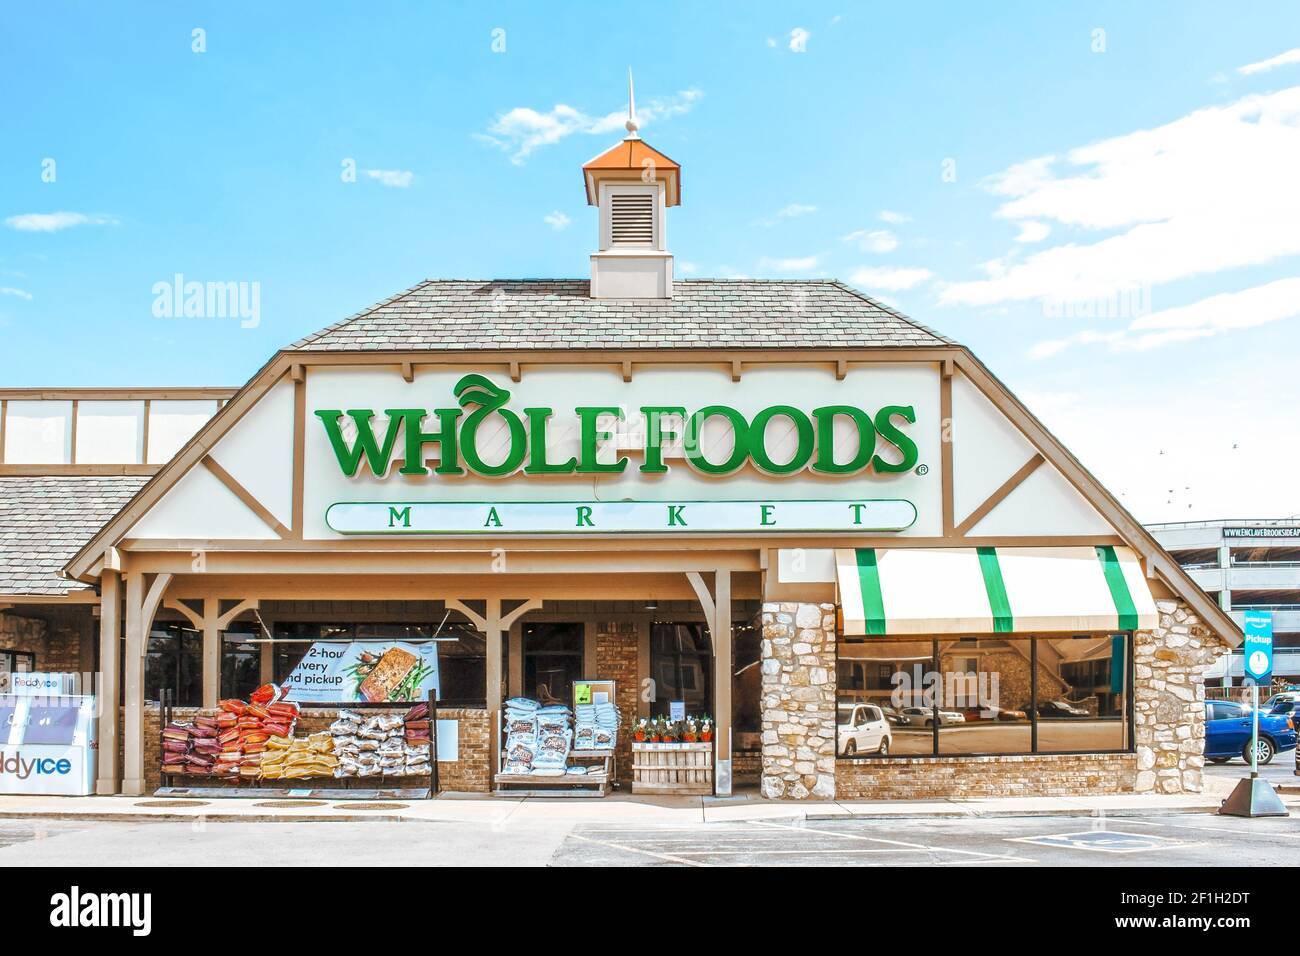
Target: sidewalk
617,808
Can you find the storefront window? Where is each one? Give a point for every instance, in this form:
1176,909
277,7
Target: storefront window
174,662
681,665
984,695
552,660
241,662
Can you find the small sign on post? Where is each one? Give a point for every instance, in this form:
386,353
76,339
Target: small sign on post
1255,797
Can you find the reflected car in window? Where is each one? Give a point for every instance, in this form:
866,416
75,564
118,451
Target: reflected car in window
863,729
924,717
1061,708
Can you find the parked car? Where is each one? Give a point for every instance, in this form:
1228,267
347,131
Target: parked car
863,729
994,713
1061,708
1228,731
924,717
895,716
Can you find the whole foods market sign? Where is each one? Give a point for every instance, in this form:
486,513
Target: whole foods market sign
482,436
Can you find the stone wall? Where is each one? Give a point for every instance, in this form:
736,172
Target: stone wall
936,778
59,637
798,701
616,660
470,773
1169,700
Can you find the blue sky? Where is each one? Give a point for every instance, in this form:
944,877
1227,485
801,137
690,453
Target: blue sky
1002,173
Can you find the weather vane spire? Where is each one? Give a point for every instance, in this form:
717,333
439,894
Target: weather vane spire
631,123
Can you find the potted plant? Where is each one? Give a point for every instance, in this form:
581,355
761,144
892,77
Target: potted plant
656,731
689,732
670,733
706,729
639,730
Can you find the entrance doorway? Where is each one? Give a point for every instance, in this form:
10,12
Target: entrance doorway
552,656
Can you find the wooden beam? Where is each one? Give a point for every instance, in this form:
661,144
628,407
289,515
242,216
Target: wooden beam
4,418
627,371
532,604
478,620
246,496
841,369
65,470
299,456
515,374
995,499
183,609
945,454
225,620
408,371
153,598
736,370
144,431
702,593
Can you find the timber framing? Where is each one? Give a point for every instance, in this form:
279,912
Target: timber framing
296,556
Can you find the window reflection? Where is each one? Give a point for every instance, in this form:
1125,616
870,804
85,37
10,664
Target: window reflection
1004,694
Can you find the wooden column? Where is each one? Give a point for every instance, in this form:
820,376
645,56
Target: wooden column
141,605
717,611
107,771
211,653
722,668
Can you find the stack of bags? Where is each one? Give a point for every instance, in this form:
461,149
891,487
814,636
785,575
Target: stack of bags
521,735
245,730
178,746
299,758
554,738
377,746
596,727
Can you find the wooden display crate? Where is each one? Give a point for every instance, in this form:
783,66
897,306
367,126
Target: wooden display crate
685,769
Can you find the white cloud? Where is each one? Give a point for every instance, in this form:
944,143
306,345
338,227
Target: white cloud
54,221
771,42
892,279
799,40
522,130
894,218
687,268
1226,312
1208,192
557,220
1033,231
796,264
1272,63
20,293
872,240
795,210
396,178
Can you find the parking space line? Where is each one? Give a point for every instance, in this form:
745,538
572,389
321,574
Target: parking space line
1188,826
631,849
901,843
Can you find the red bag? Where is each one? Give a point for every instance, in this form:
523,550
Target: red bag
278,730
264,694
283,709
233,706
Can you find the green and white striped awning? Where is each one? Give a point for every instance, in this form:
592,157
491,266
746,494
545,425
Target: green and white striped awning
887,591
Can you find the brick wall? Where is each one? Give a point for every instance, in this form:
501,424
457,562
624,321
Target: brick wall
58,637
1021,776
616,660
469,774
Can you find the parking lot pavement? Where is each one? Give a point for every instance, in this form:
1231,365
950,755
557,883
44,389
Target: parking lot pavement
1280,771
1168,840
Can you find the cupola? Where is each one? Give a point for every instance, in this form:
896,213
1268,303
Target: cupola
632,185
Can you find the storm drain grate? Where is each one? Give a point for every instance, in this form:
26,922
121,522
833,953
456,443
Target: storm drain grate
290,804
171,803
370,806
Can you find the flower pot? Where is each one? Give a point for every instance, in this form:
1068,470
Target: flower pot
706,737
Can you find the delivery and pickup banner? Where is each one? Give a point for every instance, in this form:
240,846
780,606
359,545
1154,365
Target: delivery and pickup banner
371,672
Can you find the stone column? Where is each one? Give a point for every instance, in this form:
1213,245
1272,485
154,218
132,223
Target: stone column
798,701
1169,700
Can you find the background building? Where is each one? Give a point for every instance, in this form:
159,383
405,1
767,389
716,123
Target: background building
1244,564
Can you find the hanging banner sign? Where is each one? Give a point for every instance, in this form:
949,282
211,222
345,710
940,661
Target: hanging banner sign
604,517
370,672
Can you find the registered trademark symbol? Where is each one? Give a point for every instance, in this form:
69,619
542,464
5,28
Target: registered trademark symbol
922,469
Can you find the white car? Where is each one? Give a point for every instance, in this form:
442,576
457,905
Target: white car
863,729
924,717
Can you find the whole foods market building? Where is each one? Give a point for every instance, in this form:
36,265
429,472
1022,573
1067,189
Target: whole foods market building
782,505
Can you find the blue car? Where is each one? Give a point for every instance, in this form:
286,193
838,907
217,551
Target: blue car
1228,728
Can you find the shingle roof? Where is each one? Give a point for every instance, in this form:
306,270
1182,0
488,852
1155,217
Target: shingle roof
45,521
560,314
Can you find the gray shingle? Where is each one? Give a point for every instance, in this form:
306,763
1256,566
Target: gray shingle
466,315
45,521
